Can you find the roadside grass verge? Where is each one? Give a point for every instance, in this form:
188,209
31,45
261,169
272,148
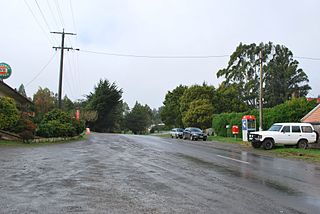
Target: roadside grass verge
9,143
312,155
229,140
164,135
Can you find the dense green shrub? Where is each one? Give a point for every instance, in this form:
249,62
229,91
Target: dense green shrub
8,113
54,128
57,123
290,111
24,123
56,114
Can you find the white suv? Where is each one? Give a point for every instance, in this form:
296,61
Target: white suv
299,134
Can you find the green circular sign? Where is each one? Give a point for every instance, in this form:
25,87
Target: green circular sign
5,70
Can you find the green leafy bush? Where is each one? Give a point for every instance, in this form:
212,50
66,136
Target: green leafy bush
57,123
8,113
58,115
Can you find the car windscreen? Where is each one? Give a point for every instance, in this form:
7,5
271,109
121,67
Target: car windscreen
275,128
179,130
196,130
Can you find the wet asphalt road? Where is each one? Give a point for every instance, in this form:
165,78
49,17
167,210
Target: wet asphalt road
143,174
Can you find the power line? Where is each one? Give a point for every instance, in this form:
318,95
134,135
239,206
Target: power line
77,70
43,68
43,17
309,58
37,21
72,76
59,12
72,15
73,23
157,56
175,56
52,14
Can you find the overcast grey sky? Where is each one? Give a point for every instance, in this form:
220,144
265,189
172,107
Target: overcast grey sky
147,27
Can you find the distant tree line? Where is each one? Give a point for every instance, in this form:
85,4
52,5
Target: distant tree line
103,110
239,91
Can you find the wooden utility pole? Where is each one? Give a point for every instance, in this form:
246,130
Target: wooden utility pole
61,61
260,94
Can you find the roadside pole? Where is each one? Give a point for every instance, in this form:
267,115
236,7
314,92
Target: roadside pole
260,94
61,61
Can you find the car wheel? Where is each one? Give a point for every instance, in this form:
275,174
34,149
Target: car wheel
184,137
268,144
171,136
256,145
302,144
191,137
204,139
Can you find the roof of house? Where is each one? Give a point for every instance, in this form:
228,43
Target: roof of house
310,99
10,92
313,116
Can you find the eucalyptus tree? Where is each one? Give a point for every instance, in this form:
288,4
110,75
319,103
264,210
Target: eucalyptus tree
282,76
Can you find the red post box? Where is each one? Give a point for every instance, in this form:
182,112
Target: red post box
235,130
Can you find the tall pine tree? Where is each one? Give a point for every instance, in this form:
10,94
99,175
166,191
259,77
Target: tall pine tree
105,100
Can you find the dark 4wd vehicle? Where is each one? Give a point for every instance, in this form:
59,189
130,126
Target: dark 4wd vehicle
194,134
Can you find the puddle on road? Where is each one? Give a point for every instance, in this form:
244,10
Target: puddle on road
194,159
117,148
236,173
278,186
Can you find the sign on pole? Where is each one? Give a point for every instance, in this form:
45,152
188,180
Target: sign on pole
5,70
77,114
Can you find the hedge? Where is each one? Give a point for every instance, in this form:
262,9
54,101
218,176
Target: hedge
290,111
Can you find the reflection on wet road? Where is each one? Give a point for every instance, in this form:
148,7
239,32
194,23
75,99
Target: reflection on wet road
143,174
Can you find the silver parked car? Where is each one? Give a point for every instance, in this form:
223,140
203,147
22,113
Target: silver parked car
176,133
